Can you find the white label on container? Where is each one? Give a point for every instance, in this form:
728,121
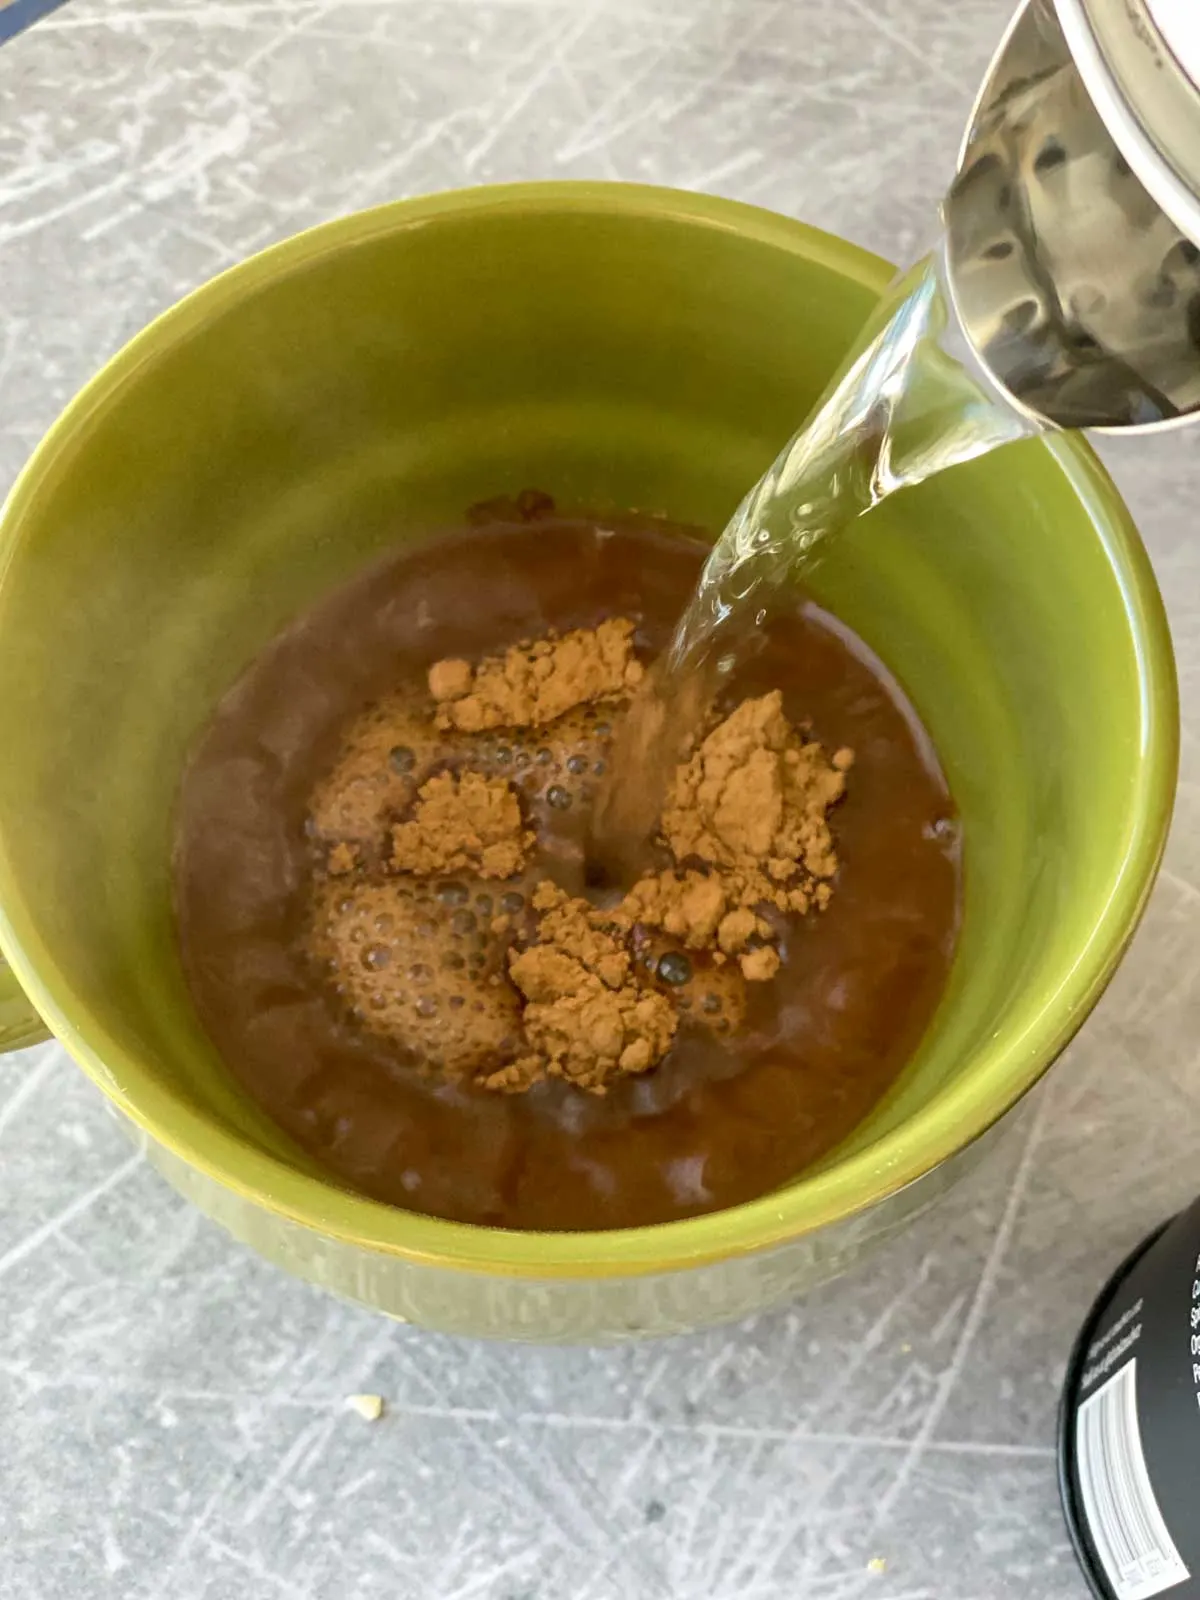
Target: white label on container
1123,1518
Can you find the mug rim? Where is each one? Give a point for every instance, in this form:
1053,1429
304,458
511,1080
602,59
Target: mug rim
1003,1070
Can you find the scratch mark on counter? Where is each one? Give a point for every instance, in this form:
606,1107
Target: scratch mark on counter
33,1079
311,1438
11,231
807,1518
487,1577
374,1540
575,28
742,161
196,1527
948,1319
218,15
190,158
732,1485
972,1322
1186,888
14,329
871,1341
369,189
114,1557
696,90
284,36
555,1421
84,1202
873,17
598,128
288,1586
356,1486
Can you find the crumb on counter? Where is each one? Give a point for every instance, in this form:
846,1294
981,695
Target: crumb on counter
368,1406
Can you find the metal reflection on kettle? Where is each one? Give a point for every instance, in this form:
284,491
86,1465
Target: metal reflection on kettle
1072,227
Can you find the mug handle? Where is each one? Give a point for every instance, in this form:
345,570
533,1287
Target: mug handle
20,1024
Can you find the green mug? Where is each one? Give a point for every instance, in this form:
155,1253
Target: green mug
619,347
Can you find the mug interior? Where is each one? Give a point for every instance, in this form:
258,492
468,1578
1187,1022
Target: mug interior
620,348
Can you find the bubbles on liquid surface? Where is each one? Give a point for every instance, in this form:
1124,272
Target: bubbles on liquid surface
674,968
419,980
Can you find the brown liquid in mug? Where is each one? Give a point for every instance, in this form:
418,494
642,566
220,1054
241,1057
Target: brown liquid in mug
722,1119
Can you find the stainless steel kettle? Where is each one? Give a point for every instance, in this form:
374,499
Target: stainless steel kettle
1072,227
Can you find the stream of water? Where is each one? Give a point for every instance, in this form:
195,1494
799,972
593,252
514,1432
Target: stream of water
903,406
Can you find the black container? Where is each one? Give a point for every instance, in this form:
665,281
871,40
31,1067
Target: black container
1129,1425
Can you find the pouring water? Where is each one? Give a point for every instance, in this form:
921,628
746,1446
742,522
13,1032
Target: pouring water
1060,294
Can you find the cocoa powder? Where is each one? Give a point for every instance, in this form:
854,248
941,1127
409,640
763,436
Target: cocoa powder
566,990
459,821
535,682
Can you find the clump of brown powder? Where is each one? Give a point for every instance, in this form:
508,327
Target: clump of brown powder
697,909
752,803
587,1017
750,807
567,991
460,821
533,683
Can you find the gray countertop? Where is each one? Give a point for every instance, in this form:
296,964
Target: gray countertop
172,1410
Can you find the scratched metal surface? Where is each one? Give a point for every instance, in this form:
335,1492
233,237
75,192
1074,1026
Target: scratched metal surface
172,1410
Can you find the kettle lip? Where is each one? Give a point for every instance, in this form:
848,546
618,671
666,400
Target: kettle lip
1076,18
1177,24
1137,122
1162,182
